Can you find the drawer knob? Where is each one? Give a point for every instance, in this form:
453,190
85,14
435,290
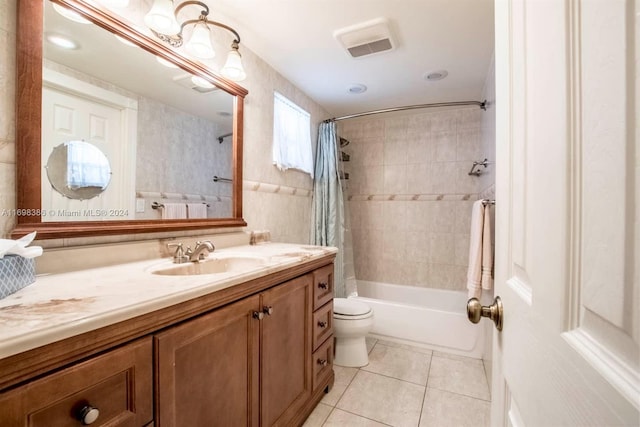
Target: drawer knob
323,362
88,414
322,324
268,310
323,285
258,315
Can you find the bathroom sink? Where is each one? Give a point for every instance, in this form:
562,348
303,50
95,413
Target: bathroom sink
213,266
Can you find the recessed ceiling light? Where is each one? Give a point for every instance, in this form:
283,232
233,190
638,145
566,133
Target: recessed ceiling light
435,75
70,14
62,41
357,88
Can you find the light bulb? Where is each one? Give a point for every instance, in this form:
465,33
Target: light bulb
233,69
199,45
161,18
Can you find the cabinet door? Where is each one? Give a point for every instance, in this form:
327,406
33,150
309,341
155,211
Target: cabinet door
207,369
115,388
286,350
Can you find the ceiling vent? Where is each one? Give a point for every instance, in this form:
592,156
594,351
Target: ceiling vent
366,38
186,81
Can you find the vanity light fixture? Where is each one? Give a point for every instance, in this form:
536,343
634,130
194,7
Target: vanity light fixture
233,69
162,21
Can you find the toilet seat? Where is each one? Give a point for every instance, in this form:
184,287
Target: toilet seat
344,308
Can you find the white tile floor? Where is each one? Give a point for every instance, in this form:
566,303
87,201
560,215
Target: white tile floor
406,386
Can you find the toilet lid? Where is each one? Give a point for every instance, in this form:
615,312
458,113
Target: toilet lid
349,307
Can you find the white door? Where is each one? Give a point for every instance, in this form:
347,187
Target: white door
567,232
71,111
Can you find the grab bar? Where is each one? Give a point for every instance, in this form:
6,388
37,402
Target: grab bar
217,178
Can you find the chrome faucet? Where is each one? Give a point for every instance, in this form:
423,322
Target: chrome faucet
179,256
198,254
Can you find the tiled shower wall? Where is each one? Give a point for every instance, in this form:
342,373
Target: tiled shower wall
410,195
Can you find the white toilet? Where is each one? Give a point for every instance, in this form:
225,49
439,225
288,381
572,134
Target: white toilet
352,320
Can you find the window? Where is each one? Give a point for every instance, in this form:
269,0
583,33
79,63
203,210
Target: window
291,136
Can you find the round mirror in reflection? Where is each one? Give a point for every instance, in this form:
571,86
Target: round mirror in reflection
78,170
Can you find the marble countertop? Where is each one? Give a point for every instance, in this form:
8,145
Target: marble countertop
58,306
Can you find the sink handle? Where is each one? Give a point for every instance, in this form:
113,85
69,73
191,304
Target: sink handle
178,257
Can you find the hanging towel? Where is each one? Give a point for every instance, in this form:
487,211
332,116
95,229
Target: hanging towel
487,251
197,210
480,273
174,211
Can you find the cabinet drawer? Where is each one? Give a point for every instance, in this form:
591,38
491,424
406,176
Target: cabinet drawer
322,324
322,286
322,362
118,383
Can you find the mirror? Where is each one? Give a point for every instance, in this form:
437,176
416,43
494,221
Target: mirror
166,131
78,170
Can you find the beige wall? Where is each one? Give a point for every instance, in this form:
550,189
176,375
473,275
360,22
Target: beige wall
411,195
287,215
7,114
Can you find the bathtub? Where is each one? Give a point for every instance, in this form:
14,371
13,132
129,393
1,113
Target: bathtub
430,318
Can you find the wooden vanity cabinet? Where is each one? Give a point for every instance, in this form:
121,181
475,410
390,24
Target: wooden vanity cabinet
118,384
207,369
247,364
258,354
285,346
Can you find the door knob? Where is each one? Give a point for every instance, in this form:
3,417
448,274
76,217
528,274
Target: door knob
258,315
268,310
475,311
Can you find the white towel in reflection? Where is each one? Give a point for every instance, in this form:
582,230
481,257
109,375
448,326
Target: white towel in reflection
87,166
174,211
480,273
197,210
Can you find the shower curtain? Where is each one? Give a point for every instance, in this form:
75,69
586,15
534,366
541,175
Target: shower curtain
328,212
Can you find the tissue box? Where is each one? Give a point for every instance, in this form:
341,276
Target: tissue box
16,272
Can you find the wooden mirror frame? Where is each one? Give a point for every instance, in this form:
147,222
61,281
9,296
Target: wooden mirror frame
29,56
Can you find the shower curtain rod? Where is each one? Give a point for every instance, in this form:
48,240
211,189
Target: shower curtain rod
482,105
